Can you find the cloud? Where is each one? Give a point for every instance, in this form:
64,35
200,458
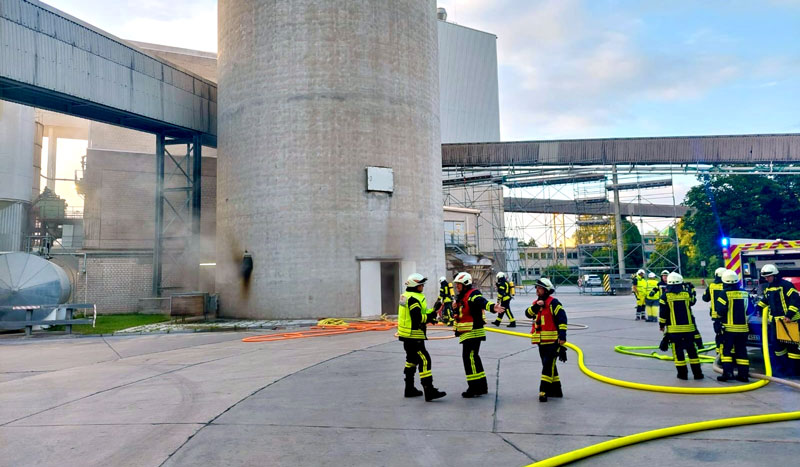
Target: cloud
190,24
569,72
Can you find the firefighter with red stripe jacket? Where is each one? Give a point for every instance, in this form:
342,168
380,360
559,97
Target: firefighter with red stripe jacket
676,320
549,331
413,315
781,303
469,311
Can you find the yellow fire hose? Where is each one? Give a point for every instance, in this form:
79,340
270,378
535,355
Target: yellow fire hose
605,446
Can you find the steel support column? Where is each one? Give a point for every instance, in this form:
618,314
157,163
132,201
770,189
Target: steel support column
178,188
197,162
618,223
159,215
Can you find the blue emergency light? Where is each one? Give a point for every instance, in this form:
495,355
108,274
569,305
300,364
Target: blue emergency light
725,242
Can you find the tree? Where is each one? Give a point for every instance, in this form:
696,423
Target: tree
606,233
748,206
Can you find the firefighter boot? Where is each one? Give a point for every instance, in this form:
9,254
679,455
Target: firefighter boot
725,376
411,391
542,396
683,372
496,322
512,324
743,374
696,371
473,390
555,390
482,385
431,393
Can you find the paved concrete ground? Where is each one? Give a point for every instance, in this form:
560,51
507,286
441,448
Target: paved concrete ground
210,399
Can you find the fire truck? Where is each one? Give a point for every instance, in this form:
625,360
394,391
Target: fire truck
746,256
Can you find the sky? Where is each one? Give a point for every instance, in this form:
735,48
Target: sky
583,69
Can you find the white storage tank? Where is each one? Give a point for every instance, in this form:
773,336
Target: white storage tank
312,95
17,131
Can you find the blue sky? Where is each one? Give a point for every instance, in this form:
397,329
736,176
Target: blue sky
583,69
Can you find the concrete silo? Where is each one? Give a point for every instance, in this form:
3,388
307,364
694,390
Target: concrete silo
311,94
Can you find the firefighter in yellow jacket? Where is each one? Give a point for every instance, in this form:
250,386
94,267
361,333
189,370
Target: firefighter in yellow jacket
652,298
549,331
676,320
412,319
469,311
640,292
730,322
781,303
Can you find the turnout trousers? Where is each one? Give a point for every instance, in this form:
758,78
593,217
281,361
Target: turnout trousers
684,342
507,305
734,351
473,366
550,383
418,357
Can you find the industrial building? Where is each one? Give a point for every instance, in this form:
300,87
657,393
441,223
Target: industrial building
107,248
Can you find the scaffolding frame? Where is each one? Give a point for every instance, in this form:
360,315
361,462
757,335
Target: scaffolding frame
553,231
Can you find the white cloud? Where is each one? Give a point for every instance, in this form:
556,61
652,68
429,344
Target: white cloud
190,24
566,73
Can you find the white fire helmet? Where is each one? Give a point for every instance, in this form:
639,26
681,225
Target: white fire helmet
463,278
674,278
415,280
730,277
769,270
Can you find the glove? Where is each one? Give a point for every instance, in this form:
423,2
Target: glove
562,354
717,327
664,345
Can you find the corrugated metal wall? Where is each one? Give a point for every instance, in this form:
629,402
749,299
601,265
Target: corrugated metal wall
749,149
42,48
468,103
13,218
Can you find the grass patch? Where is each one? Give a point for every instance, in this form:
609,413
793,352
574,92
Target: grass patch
107,324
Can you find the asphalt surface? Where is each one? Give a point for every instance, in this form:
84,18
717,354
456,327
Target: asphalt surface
210,399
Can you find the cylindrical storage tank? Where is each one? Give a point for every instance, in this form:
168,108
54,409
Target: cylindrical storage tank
31,280
17,131
311,94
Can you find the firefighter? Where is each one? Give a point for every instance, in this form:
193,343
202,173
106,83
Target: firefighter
549,331
469,311
412,318
663,282
676,321
640,291
710,296
652,298
730,322
446,299
782,302
504,297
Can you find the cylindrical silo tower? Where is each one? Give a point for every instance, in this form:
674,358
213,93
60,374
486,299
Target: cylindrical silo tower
17,131
311,94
